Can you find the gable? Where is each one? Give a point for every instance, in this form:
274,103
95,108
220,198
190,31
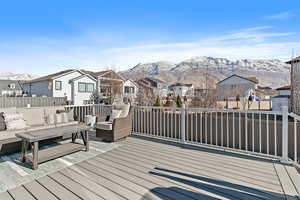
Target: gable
234,79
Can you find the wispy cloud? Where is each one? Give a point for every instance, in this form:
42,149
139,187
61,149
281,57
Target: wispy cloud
45,56
279,16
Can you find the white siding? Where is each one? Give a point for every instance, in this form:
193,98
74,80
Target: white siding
181,90
233,86
129,83
66,86
284,92
80,97
277,103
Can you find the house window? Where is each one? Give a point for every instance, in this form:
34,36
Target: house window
12,86
58,85
81,87
86,87
90,87
129,89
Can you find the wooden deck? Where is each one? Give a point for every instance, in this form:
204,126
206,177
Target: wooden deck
144,168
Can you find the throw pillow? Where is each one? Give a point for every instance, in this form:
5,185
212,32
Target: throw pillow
16,125
15,121
2,122
59,118
70,114
115,114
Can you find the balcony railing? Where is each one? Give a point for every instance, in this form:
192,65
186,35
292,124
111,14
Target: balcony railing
266,133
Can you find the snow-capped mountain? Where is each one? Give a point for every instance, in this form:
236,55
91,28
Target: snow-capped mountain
15,76
272,73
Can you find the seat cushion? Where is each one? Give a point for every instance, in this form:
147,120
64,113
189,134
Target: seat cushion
104,126
33,116
67,124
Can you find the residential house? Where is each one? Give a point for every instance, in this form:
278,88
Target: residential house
130,90
75,85
11,88
182,89
283,99
154,82
235,85
295,84
110,85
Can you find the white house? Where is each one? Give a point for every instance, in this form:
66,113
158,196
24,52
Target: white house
82,88
130,90
283,99
182,89
66,84
235,85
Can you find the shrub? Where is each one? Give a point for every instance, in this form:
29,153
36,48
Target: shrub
178,102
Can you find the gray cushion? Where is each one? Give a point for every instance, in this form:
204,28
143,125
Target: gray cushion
33,116
67,124
104,126
2,122
9,110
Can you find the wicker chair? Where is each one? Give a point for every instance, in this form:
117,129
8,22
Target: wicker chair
112,131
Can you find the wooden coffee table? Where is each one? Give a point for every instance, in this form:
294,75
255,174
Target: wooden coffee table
34,137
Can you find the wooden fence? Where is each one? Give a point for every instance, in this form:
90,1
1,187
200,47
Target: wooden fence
256,105
19,102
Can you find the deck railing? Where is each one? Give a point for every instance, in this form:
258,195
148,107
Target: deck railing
266,133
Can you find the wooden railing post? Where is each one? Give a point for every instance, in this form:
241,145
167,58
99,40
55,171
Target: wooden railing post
183,113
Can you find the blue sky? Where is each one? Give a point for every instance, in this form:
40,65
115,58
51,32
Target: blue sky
40,37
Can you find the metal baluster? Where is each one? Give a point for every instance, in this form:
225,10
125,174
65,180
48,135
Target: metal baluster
211,140
295,140
216,130
246,131
222,134
233,129
253,132
201,127
240,130
260,143
275,134
227,129
205,128
268,134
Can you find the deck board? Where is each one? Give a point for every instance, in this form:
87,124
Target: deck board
38,191
149,166
76,188
20,193
58,190
5,196
144,168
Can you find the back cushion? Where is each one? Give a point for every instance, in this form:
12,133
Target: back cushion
2,122
9,110
33,116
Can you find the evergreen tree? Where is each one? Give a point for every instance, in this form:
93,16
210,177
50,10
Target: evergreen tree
178,102
157,102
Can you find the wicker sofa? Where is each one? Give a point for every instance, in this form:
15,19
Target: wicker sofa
36,119
118,128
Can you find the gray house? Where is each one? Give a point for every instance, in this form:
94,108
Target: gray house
11,88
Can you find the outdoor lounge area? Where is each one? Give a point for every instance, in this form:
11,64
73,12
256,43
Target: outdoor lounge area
171,153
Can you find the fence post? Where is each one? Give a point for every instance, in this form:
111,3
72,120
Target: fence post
285,129
183,113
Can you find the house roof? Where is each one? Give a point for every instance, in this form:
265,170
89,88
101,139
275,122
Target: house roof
155,79
252,79
52,76
288,87
132,82
281,96
295,60
180,84
84,75
103,73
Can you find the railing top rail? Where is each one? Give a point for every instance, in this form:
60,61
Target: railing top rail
87,105
212,109
297,117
